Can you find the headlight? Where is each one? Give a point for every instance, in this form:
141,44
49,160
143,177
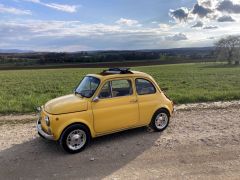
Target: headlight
39,109
47,120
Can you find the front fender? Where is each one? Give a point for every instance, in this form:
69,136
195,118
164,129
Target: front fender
66,120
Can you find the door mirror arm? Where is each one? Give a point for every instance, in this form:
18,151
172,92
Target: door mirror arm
96,99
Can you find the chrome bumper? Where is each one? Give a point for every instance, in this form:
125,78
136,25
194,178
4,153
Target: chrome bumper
42,133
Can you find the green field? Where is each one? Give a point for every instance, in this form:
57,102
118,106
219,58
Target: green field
23,90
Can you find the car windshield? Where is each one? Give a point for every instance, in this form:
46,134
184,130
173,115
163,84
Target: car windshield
88,86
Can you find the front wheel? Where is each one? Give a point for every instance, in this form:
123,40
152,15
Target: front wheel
75,138
160,120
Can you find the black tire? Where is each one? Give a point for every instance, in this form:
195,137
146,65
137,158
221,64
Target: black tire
153,121
73,128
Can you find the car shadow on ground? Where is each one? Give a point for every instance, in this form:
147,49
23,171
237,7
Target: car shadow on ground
40,159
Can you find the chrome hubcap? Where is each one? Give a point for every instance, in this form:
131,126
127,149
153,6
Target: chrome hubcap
161,120
76,139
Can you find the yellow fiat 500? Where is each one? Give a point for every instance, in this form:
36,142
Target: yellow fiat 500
113,100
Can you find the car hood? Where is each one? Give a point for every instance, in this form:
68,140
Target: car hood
66,104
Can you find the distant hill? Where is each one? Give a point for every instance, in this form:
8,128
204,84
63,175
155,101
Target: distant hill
23,58
194,49
15,51
191,49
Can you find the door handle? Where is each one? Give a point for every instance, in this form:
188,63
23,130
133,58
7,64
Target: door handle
133,101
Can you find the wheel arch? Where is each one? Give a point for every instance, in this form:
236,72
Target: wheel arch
79,122
162,108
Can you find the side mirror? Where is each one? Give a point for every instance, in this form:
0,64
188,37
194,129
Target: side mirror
96,99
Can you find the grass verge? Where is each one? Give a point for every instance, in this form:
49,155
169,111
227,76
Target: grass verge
23,90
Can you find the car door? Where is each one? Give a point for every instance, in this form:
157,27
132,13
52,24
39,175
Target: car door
148,99
116,108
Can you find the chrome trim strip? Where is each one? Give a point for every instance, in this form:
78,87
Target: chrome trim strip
120,130
41,132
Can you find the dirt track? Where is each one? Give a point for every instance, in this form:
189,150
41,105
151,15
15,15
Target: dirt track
198,144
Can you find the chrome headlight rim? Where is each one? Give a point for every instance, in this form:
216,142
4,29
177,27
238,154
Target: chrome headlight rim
39,109
47,120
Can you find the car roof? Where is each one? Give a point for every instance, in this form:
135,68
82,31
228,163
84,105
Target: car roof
104,76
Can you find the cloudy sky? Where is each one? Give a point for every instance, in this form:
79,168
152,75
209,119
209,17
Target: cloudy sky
75,25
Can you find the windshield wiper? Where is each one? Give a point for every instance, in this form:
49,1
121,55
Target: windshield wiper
79,93
76,92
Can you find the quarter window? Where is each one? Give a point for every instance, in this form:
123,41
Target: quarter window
144,86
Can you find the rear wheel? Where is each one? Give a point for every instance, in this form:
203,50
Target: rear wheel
160,120
75,138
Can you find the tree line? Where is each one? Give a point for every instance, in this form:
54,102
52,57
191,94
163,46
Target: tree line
226,49
172,55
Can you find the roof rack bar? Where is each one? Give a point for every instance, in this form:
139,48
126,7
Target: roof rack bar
117,71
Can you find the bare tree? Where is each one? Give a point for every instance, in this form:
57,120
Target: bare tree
228,48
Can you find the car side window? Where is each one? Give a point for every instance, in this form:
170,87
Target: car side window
105,91
121,87
144,87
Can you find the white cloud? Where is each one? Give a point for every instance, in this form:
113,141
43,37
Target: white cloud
180,14
63,7
211,4
210,27
198,24
164,27
212,12
75,35
200,10
225,18
229,6
60,35
127,22
12,10
60,7
177,37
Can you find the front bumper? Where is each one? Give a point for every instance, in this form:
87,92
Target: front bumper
42,133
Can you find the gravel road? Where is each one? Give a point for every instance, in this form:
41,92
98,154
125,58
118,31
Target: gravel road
201,142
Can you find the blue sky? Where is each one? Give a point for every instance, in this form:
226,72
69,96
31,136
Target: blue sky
75,25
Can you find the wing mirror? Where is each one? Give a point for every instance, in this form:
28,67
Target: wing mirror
96,99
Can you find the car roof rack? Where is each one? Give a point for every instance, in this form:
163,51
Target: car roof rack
116,71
